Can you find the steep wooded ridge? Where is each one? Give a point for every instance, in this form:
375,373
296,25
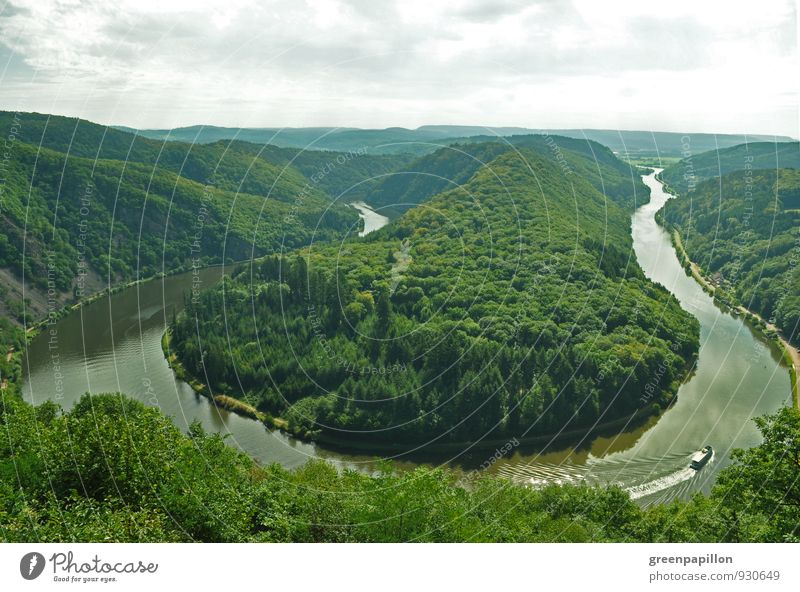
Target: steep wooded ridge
261,169
85,206
511,305
743,230
687,173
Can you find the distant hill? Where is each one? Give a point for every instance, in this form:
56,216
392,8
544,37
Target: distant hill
388,141
429,138
669,144
686,174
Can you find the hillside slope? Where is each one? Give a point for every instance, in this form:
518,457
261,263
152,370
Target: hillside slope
73,224
743,230
235,165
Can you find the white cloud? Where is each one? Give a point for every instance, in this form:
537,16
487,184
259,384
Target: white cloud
700,66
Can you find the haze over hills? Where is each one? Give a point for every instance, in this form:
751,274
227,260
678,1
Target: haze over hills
430,137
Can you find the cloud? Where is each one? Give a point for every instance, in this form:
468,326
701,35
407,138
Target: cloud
719,66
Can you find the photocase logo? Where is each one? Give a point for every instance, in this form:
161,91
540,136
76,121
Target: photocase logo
31,565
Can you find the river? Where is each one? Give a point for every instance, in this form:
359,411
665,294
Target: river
114,344
372,219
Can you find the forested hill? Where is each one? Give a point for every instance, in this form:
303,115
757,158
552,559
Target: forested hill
259,169
453,165
686,174
744,230
510,305
85,207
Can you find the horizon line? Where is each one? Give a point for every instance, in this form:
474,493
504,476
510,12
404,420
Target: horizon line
399,127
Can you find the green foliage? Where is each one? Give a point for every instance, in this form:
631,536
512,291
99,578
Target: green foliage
126,220
90,206
12,343
522,312
113,470
760,494
255,168
744,231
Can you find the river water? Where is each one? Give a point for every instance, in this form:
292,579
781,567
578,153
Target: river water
372,219
114,344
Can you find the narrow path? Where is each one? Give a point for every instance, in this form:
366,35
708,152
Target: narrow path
794,354
9,355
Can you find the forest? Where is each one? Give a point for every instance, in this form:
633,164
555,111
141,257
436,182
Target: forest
449,167
261,169
743,231
510,305
507,302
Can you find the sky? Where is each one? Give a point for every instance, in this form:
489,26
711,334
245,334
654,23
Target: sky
699,66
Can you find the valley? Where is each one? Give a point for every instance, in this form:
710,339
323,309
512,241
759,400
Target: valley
518,301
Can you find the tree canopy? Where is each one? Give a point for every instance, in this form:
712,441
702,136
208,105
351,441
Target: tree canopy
510,305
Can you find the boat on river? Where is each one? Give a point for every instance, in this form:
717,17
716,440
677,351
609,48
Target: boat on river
701,457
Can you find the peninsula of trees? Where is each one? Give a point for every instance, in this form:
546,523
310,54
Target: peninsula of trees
510,304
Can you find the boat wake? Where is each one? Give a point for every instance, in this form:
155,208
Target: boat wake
660,484
674,478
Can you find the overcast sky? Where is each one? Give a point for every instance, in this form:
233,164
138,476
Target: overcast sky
680,65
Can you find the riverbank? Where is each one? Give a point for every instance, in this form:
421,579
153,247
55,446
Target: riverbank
220,400
563,439
790,354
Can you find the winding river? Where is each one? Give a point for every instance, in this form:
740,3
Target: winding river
114,344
